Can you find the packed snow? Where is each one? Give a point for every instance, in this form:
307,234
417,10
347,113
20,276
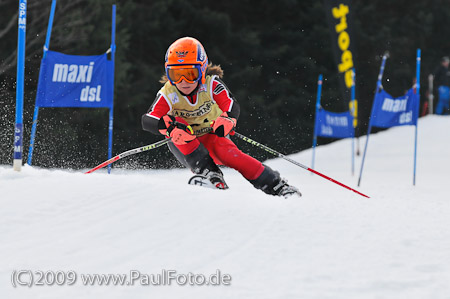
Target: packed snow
330,243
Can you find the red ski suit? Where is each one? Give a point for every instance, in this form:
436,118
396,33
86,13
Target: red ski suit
221,149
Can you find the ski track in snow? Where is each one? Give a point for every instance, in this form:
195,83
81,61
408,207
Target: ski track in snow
331,243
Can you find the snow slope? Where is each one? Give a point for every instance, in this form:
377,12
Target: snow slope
331,243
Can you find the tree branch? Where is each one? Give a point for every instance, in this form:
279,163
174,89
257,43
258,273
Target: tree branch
8,27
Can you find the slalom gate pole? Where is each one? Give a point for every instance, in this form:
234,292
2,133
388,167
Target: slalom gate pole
111,109
129,153
418,58
20,82
36,107
354,113
319,92
275,153
379,85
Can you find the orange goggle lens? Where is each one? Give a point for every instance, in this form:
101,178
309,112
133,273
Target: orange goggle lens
190,75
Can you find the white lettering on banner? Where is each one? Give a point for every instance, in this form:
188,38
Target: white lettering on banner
74,73
82,73
391,105
90,94
60,72
73,70
405,117
326,130
338,121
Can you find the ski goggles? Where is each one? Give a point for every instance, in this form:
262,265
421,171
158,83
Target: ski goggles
190,73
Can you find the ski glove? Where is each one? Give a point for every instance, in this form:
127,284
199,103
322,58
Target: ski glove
224,125
180,134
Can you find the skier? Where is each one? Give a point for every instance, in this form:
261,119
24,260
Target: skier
197,110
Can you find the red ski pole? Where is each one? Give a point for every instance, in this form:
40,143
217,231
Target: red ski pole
128,153
275,153
141,149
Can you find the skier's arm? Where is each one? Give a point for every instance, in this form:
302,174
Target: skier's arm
225,99
150,120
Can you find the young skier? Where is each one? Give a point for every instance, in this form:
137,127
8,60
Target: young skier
193,94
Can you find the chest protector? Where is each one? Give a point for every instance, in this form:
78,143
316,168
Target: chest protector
199,114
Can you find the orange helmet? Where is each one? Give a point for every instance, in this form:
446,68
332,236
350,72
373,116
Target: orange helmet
186,59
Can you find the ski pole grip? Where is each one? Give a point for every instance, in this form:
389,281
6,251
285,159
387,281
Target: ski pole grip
183,127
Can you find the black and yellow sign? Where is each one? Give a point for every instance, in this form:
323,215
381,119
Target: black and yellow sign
340,21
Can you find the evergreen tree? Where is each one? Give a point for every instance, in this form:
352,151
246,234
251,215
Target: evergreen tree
271,51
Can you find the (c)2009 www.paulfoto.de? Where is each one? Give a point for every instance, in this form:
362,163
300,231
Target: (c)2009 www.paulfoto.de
30,278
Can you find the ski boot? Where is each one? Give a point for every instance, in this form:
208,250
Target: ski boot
209,179
207,173
271,183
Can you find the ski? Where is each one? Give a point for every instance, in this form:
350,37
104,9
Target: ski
202,181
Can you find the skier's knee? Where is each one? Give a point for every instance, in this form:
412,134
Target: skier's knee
200,160
178,154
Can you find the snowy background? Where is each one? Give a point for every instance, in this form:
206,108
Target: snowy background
331,243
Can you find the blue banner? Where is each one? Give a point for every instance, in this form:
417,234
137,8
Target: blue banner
75,81
336,125
388,111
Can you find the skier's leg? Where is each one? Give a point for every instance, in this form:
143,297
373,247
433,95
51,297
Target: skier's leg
225,152
178,154
199,161
262,177
271,183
